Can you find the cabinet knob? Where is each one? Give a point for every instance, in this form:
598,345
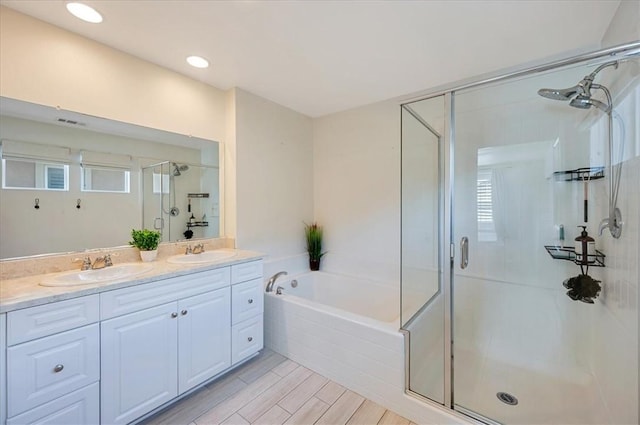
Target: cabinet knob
183,312
250,301
250,339
174,315
58,368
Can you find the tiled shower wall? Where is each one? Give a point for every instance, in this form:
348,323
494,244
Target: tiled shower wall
615,316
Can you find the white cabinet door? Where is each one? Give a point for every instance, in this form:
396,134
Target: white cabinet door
246,300
77,408
47,368
204,337
246,339
139,370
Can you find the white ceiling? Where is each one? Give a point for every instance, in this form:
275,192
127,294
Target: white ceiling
320,57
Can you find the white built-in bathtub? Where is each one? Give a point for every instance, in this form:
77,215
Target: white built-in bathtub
346,329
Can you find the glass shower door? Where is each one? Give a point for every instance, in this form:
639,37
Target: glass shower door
523,351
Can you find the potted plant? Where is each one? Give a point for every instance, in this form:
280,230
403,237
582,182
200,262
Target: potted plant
147,242
313,234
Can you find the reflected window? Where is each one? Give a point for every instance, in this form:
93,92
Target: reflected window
484,200
160,183
105,179
33,174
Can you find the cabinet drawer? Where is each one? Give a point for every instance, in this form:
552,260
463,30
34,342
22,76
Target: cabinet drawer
135,298
246,339
47,368
79,407
246,271
44,320
246,300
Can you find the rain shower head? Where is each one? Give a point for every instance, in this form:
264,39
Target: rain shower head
580,94
560,94
178,169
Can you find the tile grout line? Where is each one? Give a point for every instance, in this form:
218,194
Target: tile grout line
267,389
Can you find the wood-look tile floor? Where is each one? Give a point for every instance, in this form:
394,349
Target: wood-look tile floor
271,389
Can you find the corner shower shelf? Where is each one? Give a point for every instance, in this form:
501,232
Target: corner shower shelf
198,224
569,253
579,174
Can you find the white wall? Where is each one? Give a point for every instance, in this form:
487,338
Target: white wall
625,25
274,176
356,161
47,65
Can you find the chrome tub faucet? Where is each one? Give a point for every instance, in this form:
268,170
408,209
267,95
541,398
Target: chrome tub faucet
273,279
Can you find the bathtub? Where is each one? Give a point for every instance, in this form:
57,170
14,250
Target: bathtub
346,329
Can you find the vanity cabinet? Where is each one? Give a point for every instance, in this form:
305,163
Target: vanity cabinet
151,356
116,356
247,310
53,363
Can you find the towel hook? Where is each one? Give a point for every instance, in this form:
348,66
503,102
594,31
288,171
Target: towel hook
37,204
78,204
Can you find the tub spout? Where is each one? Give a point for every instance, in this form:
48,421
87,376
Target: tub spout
272,280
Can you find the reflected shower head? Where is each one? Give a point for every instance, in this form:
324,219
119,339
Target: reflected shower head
177,169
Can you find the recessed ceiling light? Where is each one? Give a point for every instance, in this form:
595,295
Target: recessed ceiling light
84,12
198,61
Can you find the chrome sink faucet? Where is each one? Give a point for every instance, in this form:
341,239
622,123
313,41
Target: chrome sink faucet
86,263
105,260
273,279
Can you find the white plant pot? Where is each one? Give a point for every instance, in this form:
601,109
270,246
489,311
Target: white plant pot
149,255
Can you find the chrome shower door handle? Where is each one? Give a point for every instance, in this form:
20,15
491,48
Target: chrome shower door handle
464,252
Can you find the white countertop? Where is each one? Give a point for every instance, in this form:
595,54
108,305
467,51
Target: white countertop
26,291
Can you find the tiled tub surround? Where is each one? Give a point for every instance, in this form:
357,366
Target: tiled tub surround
114,352
346,329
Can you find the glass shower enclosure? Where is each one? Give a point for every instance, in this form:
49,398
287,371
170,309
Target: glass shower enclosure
181,200
496,180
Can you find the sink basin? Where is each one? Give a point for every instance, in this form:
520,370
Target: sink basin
205,257
86,277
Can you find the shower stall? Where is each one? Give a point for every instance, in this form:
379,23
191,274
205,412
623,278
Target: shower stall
181,200
498,177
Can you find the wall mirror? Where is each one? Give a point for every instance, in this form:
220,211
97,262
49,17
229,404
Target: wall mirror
72,182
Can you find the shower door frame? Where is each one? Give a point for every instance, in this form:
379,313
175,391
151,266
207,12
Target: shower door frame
447,208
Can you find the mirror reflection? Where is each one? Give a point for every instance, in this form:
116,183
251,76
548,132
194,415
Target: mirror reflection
72,182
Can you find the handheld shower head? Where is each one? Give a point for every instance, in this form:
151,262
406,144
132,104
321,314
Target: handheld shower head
586,102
